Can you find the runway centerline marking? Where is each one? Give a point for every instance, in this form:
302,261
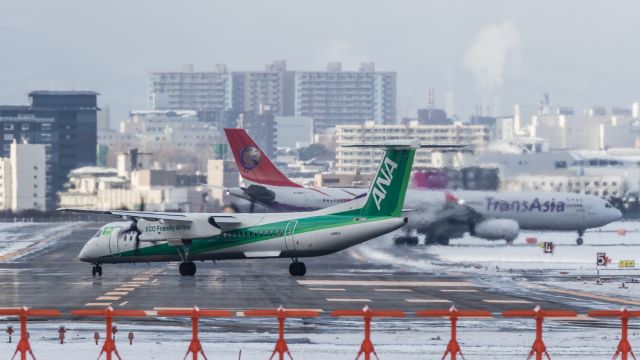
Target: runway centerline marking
123,303
459,290
505,301
393,290
118,293
104,304
124,289
382,283
348,300
141,279
327,289
427,300
108,298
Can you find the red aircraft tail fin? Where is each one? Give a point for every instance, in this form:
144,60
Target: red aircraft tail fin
253,163
450,198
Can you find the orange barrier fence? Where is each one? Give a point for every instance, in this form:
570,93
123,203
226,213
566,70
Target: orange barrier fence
624,346
366,348
539,348
281,314
195,347
109,346
23,313
453,348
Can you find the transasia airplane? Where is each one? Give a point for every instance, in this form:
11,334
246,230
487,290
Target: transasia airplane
440,215
186,237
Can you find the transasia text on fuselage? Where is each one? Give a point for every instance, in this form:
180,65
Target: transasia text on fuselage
494,204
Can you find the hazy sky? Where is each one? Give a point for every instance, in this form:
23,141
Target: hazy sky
583,53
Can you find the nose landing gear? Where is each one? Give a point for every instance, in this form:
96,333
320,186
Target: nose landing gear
96,270
187,268
297,268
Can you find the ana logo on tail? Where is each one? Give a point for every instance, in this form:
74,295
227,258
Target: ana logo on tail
383,181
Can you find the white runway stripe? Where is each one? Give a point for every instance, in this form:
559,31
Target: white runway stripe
327,289
386,283
393,290
348,300
108,298
102,304
116,293
435,301
513,301
458,290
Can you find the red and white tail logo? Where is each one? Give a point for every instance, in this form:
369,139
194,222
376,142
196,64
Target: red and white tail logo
253,163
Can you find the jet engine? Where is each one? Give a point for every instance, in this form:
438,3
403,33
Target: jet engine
496,229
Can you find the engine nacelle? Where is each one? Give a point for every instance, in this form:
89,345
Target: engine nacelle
496,229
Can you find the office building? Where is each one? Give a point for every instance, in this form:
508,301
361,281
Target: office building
22,178
64,121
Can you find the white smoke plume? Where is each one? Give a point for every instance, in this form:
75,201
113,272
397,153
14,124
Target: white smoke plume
494,45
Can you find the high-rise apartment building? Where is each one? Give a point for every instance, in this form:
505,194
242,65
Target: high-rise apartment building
330,97
273,87
336,97
190,90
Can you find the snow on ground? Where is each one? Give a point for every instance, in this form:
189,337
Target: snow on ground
20,239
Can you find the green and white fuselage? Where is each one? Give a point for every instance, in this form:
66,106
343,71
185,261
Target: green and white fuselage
259,236
157,236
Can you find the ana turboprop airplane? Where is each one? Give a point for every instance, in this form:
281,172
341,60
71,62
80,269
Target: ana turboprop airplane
186,237
440,215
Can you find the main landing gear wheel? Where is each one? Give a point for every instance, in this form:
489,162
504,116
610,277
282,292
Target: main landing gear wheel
579,240
187,268
297,268
96,270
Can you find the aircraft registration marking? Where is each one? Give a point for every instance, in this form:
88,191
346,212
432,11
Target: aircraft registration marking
386,283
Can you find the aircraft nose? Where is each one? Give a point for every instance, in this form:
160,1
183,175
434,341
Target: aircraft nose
617,215
87,254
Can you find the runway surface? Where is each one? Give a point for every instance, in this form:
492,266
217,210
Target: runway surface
54,277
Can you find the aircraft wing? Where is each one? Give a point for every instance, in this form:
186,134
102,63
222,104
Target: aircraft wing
147,215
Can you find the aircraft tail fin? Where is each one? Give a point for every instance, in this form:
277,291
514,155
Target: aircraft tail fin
389,187
254,165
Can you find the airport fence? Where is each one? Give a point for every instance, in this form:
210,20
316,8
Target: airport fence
366,350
